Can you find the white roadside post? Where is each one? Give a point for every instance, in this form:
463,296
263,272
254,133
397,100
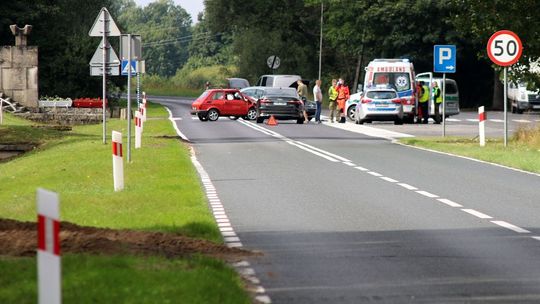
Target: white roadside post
118,161
48,252
138,129
481,125
144,106
1,111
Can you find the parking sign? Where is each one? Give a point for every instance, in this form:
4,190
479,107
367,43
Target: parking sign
444,58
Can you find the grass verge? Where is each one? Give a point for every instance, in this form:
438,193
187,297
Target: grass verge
520,153
162,193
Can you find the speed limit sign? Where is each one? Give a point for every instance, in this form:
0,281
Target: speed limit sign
504,48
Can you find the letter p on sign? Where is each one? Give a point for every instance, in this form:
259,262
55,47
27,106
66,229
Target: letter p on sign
444,54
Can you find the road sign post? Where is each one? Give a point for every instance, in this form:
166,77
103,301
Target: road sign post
104,26
444,61
504,48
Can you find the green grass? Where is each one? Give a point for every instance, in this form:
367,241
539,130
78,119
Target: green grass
126,279
162,193
518,154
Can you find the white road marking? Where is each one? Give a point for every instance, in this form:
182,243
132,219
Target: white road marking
221,217
510,226
496,120
407,186
225,229
349,164
375,173
234,244
224,225
369,131
263,299
361,168
323,151
247,271
226,221
449,202
453,119
228,233
536,238
388,179
521,120
175,126
473,120
425,193
312,151
241,264
231,239
259,289
477,213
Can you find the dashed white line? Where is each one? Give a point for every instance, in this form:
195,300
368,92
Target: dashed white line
510,226
349,164
234,245
536,238
231,239
375,174
477,213
361,168
496,120
388,179
425,193
521,120
473,119
449,202
407,186
263,299
228,233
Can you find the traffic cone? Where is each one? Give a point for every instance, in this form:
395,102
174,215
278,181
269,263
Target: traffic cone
271,121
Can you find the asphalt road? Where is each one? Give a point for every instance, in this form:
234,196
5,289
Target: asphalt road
344,216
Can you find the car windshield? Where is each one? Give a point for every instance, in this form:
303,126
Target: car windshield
399,81
238,83
450,88
381,94
204,94
286,93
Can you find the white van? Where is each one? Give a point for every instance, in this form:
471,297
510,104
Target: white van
397,74
451,94
522,99
278,81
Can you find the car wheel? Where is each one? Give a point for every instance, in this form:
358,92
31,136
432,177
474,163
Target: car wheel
251,114
398,121
409,119
213,115
202,117
233,117
360,121
351,112
300,121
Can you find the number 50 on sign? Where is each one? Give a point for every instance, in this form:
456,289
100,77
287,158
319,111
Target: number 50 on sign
504,48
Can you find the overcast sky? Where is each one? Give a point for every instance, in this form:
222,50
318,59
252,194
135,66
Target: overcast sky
193,7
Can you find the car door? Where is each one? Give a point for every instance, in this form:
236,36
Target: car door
237,105
218,101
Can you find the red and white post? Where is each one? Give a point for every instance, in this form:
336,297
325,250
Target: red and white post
138,129
48,252
118,161
481,124
143,107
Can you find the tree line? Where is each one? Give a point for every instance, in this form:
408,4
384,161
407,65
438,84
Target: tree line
244,33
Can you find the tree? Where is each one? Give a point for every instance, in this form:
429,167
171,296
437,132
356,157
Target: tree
165,29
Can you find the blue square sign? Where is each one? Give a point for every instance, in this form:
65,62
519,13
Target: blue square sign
444,59
125,67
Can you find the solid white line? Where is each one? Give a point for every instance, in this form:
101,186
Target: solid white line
536,238
510,226
407,186
375,174
175,126
453,119
323,151
388,179
361,168
449,202
313,152
473,120
477,213
425,193
256,129
496,120
349,164
521,120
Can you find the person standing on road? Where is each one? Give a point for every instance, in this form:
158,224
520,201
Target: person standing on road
437,100
424,102
332,97
302,91
317,95
343,96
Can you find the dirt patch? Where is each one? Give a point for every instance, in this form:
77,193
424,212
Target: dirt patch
20,239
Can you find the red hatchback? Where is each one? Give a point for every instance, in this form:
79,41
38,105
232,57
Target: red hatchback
223,102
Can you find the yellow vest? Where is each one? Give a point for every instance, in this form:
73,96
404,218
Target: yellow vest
332,93
439,98
425,96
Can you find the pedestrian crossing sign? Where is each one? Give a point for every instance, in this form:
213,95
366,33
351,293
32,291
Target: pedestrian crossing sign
125,67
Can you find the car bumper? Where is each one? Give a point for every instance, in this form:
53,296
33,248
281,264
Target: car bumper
196,112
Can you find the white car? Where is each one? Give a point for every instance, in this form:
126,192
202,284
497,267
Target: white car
379,104
522,99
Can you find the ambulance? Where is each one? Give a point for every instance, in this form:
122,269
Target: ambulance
399,75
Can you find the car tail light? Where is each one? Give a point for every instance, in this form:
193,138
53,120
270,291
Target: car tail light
366,100
265,101
296,102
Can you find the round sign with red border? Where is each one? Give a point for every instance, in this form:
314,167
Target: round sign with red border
504,48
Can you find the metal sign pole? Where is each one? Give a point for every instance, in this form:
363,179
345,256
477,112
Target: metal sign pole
320,40
505,111
129,101
444,105
104,93
138,87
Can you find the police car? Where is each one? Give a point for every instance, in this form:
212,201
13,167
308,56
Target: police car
380,103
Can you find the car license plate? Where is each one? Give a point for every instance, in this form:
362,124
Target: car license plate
536,107
381,105
280,103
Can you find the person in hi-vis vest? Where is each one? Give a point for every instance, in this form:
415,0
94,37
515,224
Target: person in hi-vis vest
437,100
424,102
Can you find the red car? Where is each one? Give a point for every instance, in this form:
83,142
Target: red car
223,102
